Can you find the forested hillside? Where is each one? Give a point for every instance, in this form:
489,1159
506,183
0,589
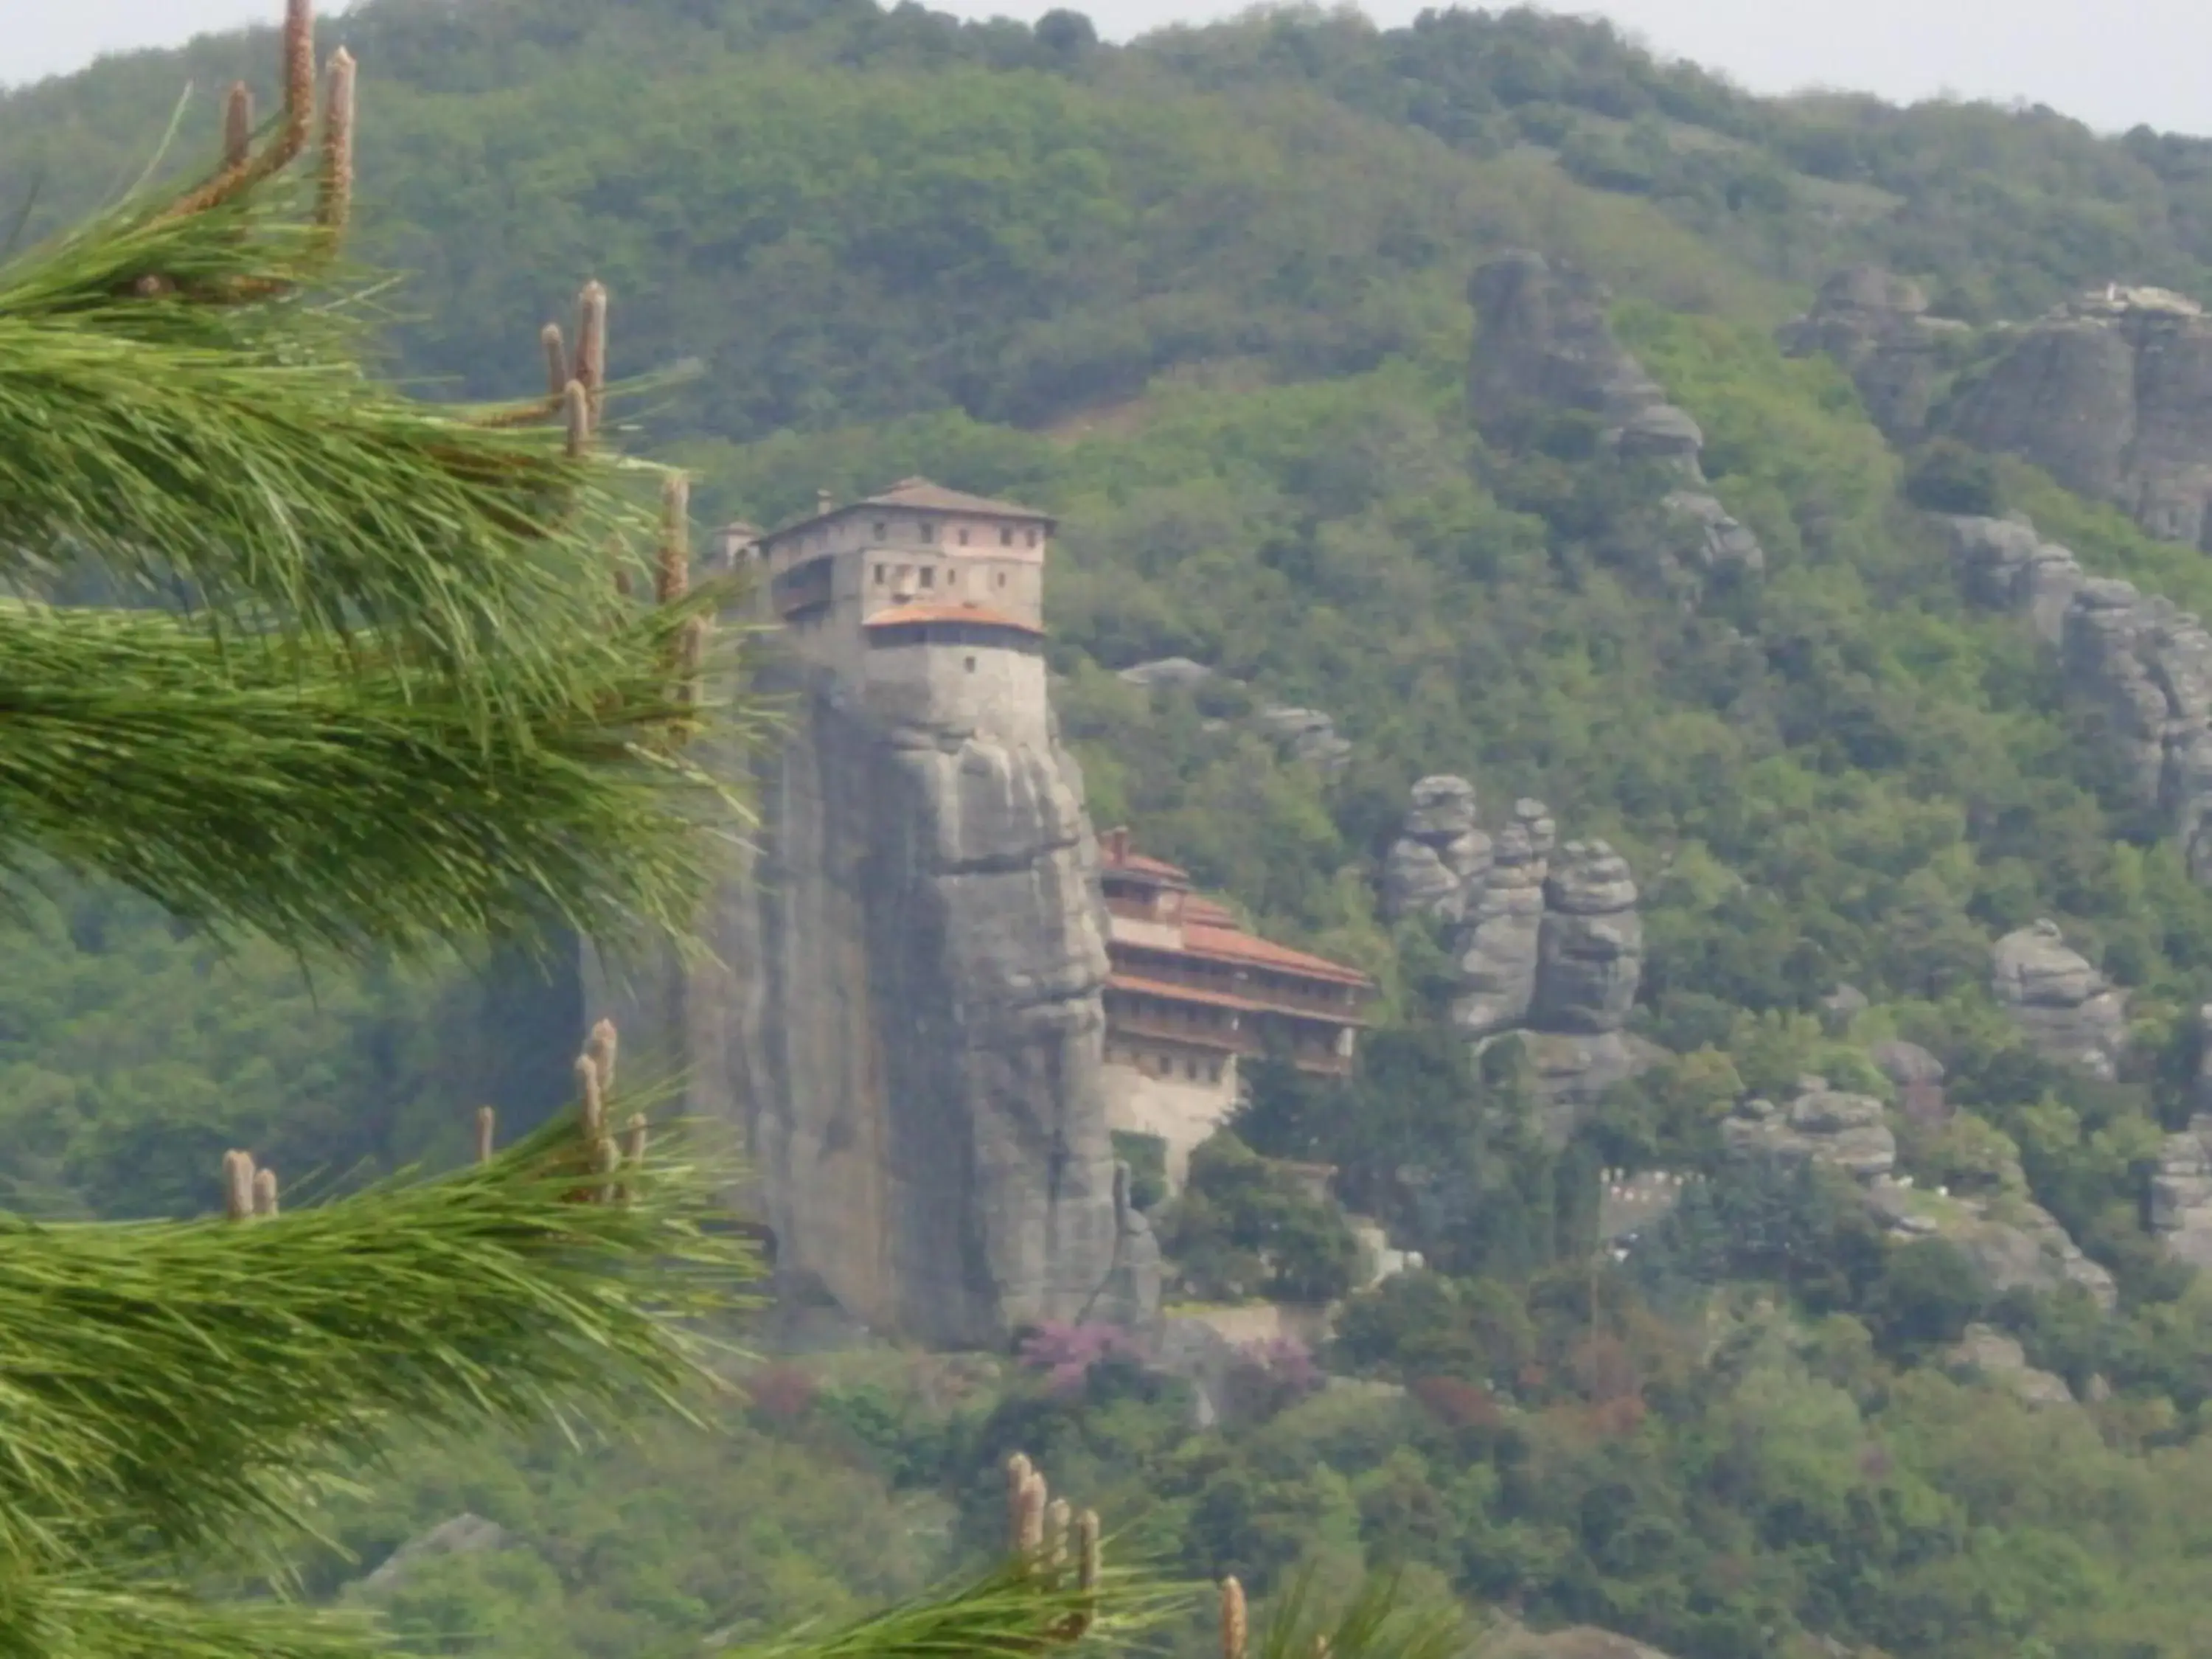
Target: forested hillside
1207,299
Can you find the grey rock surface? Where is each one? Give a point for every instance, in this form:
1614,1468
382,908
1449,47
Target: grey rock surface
463,1534
1307,735
1876,327
912,1041
1999,1358
1179,672
1821,1125
2067,1008
1547,940
1589,955
1542,339
2110,393
2181,1193
2140,664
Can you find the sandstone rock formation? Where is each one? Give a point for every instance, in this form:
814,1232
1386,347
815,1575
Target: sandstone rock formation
1547,939
1820,1125
2068,1010
2112,394
1542,339
1988,1352
1876,327
1919,1076
2181,1193
2141,664
912,1040
1589,952
2014,1243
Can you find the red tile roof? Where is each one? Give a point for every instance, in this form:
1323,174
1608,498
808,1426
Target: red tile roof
943,611
1235,945
1167,990
1205,912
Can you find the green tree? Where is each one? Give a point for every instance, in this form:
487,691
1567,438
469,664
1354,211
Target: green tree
369,681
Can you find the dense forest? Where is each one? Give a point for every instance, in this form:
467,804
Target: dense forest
1206,298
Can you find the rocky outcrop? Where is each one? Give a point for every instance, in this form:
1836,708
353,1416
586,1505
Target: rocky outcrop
1877,328
1547,939
1590,951
1306,735
912,1038
1849,1132
1987,1352
2140,663
1542,341
1919,1076
2181,1193
2068,1010
2112,394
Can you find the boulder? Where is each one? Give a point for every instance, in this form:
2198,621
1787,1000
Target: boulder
1876,326
1820,1124
1178,673
1717,541
1990,1354
1309,735
2067,1009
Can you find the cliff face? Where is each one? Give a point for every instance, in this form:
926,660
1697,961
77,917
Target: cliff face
2112,394
911,1032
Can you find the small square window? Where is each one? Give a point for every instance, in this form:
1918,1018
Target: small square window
952,579
1033,539
928,530
929,575
1002,579
882,575
963,538
969,664
1005,535
881,529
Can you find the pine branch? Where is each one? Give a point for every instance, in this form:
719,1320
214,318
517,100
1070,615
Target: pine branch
335,796
194,1376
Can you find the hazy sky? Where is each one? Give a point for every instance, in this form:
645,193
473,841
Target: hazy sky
2111,62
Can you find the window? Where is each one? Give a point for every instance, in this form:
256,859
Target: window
881,529
929,575
1033,539
964,536
969,664
1005,535
928,530
1190,1070
952,579
1002,579
881,573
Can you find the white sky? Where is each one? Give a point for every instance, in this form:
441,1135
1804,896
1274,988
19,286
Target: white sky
2111,62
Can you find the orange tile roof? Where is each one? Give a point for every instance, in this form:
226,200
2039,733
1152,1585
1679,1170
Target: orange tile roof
1234,945
1137,985
927,612
1206,912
